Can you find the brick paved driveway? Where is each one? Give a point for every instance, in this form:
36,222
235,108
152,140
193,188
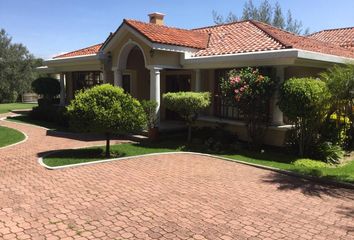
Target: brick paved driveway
163,197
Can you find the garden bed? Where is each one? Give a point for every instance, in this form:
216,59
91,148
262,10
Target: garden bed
268,158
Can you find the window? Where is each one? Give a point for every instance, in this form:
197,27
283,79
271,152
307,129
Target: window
83,80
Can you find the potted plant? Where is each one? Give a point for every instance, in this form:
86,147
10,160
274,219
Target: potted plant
149,107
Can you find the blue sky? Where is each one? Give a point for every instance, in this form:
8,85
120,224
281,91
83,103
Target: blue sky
49,27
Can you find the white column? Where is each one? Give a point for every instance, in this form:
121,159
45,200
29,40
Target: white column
155,91
62,89
118,79
277,116
198,81
104,74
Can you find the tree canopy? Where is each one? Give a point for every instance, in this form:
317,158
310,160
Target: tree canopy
266,13
17,68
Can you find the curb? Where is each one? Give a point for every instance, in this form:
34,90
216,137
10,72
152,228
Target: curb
290,173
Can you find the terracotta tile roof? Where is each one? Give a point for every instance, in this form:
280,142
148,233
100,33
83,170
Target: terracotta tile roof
238,37
232,38
169,35
84,51
304,43
343,37
253,36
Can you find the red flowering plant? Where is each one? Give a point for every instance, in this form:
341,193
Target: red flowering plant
250,92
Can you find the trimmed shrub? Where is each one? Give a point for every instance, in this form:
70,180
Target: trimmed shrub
188,105
107,110
309,163
149,107
305,102
48,87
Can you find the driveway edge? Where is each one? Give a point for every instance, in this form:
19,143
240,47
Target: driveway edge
286,172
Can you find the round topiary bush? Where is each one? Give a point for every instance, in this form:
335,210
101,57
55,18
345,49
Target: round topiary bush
302,97
304,101
47,87
188,105
107,110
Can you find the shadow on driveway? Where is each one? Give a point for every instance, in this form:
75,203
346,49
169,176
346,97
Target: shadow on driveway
307,187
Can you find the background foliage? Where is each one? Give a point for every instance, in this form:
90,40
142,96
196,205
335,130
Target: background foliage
266,13
17,69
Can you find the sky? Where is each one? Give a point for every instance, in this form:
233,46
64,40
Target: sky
51,27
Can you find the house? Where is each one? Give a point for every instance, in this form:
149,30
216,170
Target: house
343,37
149,59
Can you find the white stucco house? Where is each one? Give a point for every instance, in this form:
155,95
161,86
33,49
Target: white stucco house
149,59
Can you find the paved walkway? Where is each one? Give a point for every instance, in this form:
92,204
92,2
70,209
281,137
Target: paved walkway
160,197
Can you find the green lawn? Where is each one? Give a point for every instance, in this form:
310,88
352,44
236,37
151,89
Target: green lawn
8,107
10,136
269,158
26,119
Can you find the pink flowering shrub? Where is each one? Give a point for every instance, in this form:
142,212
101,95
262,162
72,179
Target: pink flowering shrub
251,92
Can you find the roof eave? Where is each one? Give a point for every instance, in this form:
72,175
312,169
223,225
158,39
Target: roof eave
74,59
271,57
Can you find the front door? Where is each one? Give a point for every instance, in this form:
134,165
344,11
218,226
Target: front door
177,83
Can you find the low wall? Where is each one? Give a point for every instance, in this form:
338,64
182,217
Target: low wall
29,97
275,135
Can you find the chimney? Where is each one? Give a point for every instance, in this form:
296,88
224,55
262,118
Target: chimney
156,18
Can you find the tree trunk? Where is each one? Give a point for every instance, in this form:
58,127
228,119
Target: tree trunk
189,138
108,151
301,142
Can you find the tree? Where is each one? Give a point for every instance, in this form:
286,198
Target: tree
17,69
249,11
106,109
278,18
188,105
250,91
266,13
304,101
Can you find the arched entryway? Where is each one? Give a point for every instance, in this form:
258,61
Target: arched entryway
132,67
135,75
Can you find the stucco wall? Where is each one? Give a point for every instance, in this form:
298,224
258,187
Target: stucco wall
152,57
299,72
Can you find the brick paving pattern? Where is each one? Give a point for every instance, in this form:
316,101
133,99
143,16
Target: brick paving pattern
160,197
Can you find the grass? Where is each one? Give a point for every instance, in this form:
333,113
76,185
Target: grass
26,119
72,156
10,136
8,107
268,158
